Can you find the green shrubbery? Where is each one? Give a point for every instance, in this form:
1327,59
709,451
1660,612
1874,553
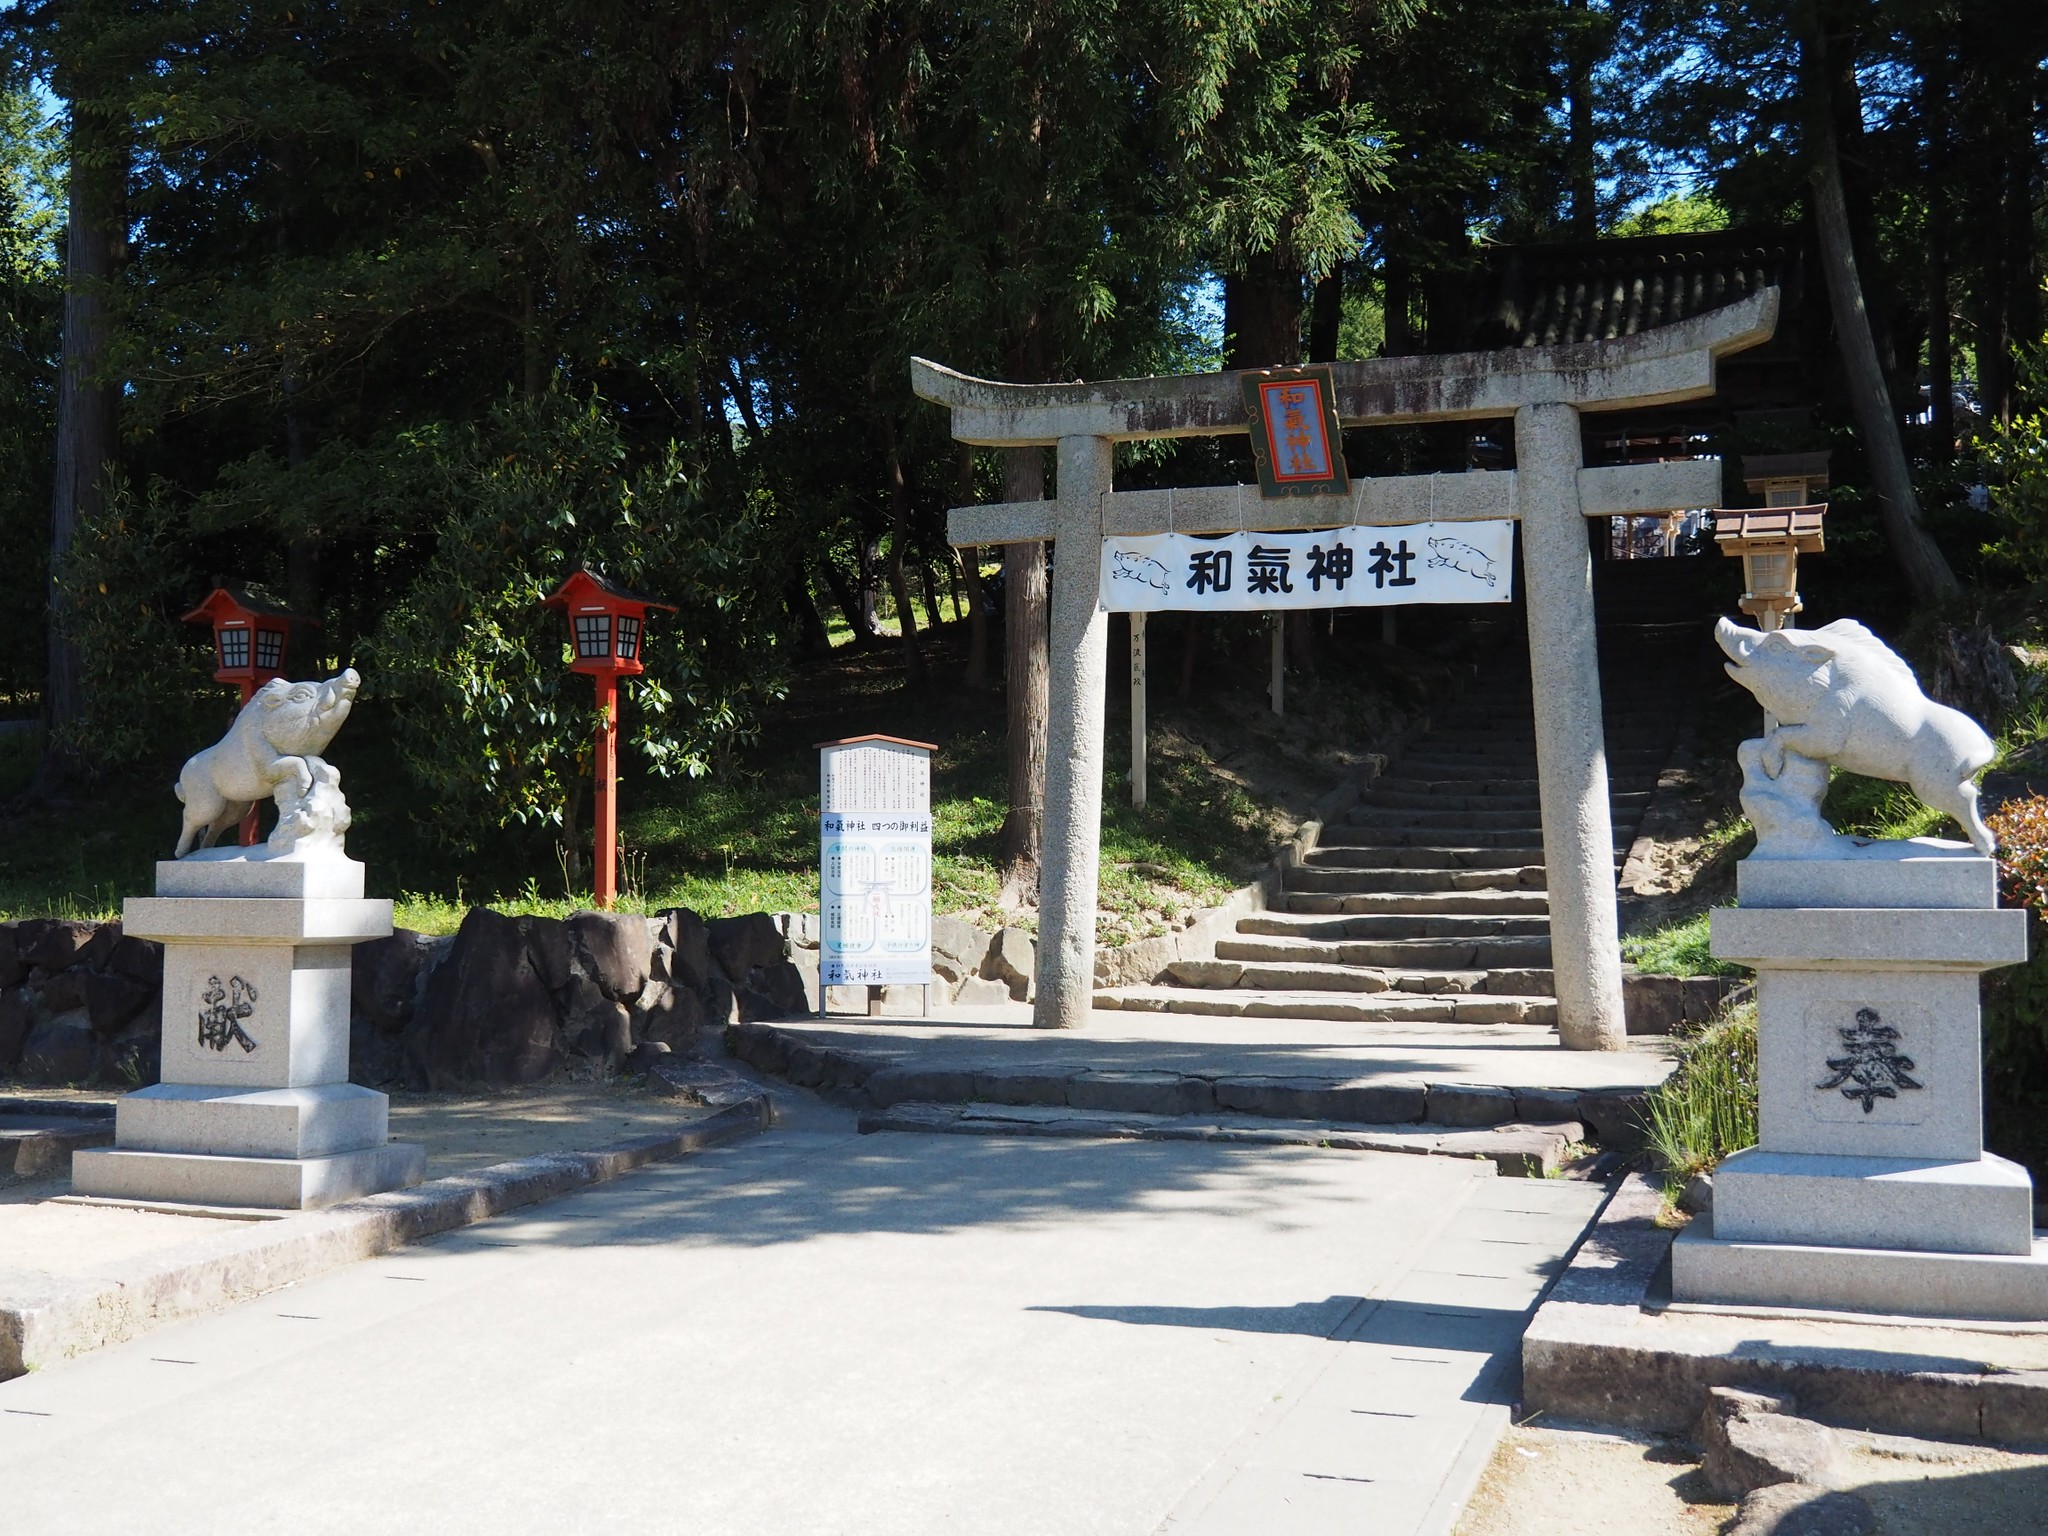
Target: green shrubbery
1706,1109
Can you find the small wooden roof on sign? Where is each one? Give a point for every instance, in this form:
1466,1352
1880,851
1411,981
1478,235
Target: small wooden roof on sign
894,741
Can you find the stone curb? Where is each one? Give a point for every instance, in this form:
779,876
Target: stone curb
1597,1354
44,1319
875,1081
1517,1151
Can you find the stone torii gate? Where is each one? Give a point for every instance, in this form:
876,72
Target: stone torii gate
1549,491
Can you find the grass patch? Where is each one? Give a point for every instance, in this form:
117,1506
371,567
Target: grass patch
1706,1108
1865,807
1680,949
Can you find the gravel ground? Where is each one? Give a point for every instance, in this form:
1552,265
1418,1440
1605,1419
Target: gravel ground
1563,1481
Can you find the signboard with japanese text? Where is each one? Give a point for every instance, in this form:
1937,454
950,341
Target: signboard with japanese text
1353,567
1296,443
875,861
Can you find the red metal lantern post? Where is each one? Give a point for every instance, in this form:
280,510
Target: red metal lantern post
607,624
251,634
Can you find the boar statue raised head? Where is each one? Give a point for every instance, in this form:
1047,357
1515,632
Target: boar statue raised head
1839,696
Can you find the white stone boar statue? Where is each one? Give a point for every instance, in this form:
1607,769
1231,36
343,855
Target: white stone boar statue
1839,695
273,749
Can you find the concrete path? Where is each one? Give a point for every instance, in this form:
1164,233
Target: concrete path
817,1332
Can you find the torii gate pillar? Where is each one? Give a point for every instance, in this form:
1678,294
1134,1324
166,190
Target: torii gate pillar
1069,869
1571,744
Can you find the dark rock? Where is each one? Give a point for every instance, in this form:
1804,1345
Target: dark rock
1704,996
487,1016
552,951
112,1000
958,948
686,943
1615,1119
132,1062
645,1057
667,1015
583,1007
1012,959
740,944
615,948
95,952
720,1004
17,1018
375,1058
58,991
1652,1005
760,1047
1469,1104
772,992
59,1050
137,959
384,979
1792,1509
12,966
51,942
1749,1444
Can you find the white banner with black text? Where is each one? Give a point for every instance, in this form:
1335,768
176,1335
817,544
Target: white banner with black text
1352,567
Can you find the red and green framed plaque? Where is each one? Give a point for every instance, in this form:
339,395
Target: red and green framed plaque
1292,414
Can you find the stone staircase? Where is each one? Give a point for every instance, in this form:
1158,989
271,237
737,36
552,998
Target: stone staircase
1427,902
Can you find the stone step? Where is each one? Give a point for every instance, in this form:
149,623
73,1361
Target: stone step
1468,903
1346,834
1334,1006
1519,1151
1421,857
1404,926
1323,978
1393,797
1404,954
881,1073
1320,877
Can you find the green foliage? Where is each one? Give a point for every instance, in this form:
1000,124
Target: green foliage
129,579
31,188
1707,1107
1679,949
2016,999
1681,213
489,718
2014,459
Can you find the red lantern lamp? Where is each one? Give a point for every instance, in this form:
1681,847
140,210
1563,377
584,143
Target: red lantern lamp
251,634
607,630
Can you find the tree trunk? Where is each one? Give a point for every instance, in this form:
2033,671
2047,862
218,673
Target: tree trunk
813,639
928,584
95,247
1262,315
869,623
899,545
1190,648
847,598
1028,667
1398,281
1926,570
1934,115
970,571
1326,318
1579,125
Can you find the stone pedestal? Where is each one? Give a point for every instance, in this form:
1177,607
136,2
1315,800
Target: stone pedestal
1869,1188
254,1107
